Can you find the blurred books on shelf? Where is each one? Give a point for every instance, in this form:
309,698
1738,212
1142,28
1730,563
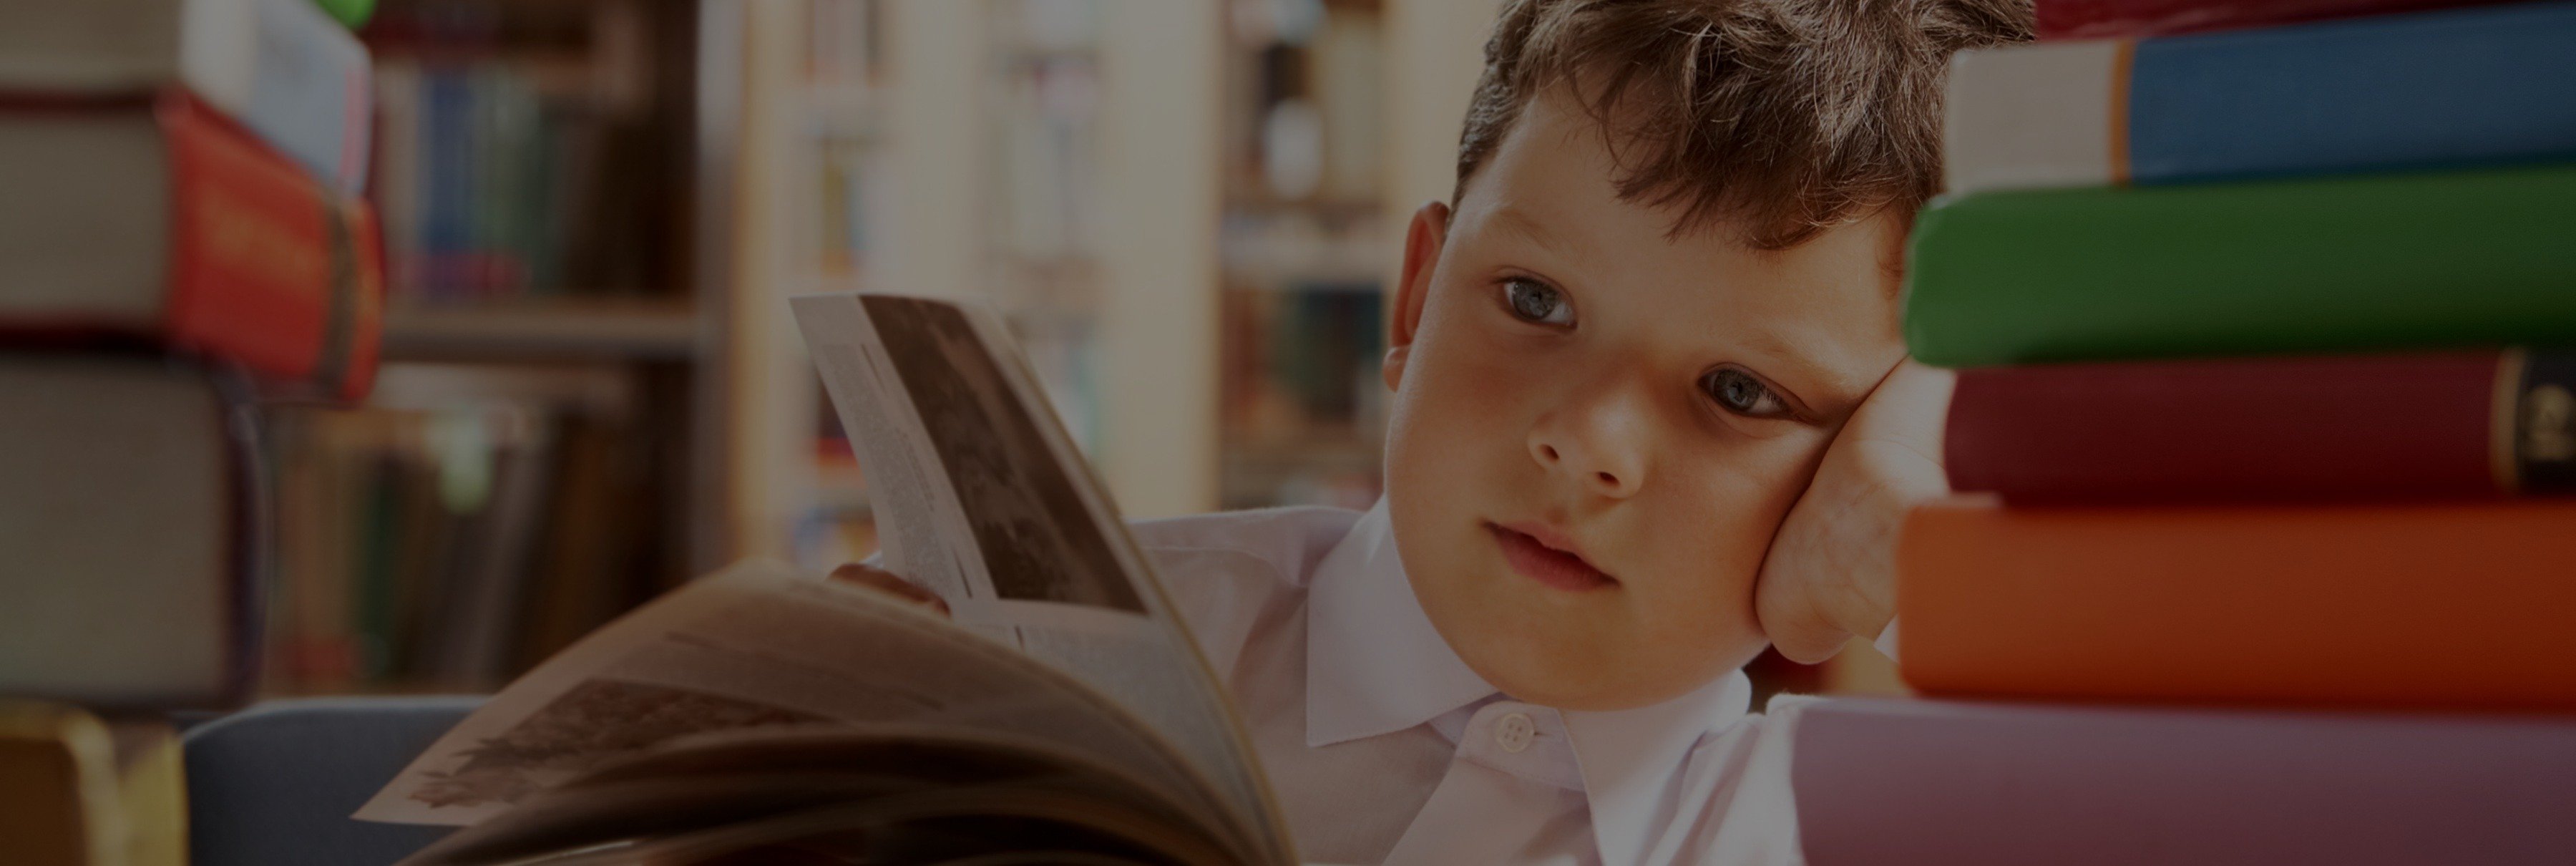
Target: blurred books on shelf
509,145
522,474
1304,408
1304,252
469,523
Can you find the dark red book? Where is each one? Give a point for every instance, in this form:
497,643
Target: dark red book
2107,19
165,222
2448,425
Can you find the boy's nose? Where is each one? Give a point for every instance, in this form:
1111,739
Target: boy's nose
1590,448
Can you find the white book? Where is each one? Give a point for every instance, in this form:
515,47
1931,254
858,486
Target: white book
1060,714
283,68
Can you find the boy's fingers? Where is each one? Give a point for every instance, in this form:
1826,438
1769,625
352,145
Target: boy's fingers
1797,629
885,581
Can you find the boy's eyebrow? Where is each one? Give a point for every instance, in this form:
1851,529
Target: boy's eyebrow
1512,219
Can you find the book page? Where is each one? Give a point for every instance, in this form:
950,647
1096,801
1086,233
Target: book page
720,783
982,498
761,645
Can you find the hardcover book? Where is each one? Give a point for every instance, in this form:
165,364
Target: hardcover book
76,790
2386,427
2414,605
2343,264
285,69
162,221
1949,782
131,525
2095,19
2466,87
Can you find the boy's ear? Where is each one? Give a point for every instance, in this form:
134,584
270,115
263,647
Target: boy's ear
1422,242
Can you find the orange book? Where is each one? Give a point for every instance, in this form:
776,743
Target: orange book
2419,606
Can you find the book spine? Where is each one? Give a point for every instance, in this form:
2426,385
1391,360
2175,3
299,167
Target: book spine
1940,782
269,269
447,180
254,536
352,14
291,74
2472,424
2343,264
2458,605
2471,87
2099,19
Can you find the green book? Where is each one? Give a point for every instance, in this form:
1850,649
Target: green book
2359,263
350,12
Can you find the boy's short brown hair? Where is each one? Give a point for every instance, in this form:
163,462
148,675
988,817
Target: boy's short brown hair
1789,116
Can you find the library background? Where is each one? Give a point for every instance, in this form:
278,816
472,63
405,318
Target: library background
594,211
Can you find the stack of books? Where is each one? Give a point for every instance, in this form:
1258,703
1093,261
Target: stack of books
181,233
2265,394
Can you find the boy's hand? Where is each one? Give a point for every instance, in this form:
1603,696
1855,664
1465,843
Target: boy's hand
1831,571
885,581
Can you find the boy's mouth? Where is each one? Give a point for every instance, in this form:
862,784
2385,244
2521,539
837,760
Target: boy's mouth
1545,556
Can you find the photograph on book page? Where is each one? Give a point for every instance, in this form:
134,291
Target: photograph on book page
1043,560
1038,538
762,645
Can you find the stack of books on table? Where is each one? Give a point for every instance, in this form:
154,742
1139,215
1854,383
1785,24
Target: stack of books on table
2267,406
180,233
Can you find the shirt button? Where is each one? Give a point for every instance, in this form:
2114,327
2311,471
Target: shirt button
1514,731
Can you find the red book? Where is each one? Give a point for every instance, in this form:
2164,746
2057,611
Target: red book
2450,425
2103,19
166,221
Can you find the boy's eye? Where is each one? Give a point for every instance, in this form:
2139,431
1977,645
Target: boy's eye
1534,301
1739,392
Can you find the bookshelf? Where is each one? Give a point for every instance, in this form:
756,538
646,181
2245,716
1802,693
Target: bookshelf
645,331
1306,255
1048,157
528,465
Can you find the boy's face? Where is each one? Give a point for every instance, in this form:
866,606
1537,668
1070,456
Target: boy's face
1598,426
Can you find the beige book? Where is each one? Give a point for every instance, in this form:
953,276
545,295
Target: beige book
78,791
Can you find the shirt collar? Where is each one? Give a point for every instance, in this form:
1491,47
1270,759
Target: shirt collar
1631,758
1374,663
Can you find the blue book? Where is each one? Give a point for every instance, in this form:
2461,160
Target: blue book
2483,86
446,233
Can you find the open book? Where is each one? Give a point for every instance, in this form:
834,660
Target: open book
765,715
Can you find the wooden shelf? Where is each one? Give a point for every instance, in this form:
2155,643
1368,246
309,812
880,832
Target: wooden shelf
567,329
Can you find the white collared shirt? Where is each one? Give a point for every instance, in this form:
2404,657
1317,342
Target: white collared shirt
1384,747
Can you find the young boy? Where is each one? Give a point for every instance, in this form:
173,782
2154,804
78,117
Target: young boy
1651,411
